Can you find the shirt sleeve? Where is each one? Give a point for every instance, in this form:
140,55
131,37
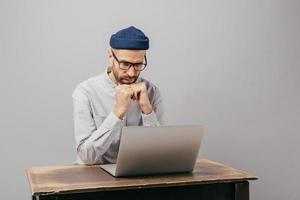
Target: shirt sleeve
155,118
92,142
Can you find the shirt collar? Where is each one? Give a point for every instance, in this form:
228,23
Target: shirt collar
107,78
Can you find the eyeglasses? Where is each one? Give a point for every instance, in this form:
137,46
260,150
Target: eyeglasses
126,65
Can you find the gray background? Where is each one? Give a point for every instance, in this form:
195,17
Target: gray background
232,65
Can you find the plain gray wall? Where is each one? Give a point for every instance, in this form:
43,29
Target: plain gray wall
232,65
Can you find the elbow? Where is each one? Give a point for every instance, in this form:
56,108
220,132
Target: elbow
89,155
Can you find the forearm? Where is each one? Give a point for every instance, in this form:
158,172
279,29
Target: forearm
92,148
155,117
150,119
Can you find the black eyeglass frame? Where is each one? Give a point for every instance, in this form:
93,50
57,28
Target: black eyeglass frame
134,65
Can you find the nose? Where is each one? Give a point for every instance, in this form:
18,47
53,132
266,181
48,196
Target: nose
131,71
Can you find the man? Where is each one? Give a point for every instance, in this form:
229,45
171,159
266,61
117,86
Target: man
119,97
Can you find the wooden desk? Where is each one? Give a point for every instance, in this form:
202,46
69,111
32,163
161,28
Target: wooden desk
210,180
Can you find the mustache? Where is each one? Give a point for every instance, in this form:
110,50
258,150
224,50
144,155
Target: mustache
129,77
134,78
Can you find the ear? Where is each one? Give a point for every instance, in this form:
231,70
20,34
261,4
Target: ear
110,57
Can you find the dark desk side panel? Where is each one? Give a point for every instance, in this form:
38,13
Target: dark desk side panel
217,191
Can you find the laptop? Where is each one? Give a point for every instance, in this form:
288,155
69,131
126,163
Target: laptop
148,150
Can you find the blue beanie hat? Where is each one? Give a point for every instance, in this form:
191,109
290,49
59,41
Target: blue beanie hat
129,38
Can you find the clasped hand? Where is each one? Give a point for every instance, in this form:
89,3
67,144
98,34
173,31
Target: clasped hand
125,94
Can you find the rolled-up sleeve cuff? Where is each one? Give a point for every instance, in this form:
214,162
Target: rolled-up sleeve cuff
150,119
112,122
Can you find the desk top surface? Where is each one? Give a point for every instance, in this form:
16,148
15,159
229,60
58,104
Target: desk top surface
80,178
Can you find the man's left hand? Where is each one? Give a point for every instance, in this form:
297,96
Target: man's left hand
141,95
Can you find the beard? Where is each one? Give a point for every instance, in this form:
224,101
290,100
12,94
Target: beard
123,79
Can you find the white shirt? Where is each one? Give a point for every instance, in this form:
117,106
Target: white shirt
97,128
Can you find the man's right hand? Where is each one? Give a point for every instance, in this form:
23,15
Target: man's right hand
123,95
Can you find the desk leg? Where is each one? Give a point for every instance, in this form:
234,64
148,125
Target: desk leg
45,197
242,191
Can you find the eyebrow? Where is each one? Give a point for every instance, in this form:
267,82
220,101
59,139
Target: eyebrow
125,61
120,60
